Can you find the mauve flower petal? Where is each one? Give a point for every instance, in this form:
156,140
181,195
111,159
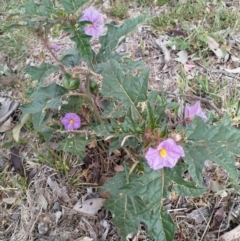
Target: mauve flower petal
174,152
151,156
92,31
66,121
170,161
195,109
55,47
97,20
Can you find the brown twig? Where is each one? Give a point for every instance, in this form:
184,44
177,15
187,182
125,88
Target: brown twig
45,42
220,113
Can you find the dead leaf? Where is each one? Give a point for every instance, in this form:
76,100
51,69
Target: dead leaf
7,125
217,218
84,239
103,180
7,108
89,206
233,235
16,130
91,231
59,191
106,225
92,144
215,186
233,71
87,161
189,67
182,57
9,80
119,168
43,201
9,200
200,214
16,160
215,47
96,172
117,152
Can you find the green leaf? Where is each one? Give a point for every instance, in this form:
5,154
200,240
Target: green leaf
45,8
41,73
128,89
70,57
113,110
82,41
72,6
215,143
44,98
39,121
124,209
114,33
16,130
153,187
140,199
74,104
30,7
74,144
126,63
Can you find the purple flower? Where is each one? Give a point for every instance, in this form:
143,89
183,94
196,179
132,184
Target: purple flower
166,154
95,28
71,121
196,109
55,47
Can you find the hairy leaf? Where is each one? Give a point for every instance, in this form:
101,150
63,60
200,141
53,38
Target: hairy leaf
154,186
114,33
72,6
74,144
82,41
39,121
44,98
45,8
128,89
41,73
73,105
215,143
70,57
124,208
113,110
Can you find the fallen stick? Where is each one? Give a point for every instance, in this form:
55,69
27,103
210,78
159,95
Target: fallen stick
233,235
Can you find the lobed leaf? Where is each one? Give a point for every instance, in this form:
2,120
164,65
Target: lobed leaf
70,57
114,33
82,42
140,200
124,209
128,89
44,98
215,143
72,6
41,73
45,8
74,144
154,186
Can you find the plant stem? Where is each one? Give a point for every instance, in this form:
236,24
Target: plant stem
89,99
131,198
45,42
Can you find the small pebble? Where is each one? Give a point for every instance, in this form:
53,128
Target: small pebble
43,227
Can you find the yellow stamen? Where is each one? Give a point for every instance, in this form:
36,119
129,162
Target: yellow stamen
163,152
71,121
